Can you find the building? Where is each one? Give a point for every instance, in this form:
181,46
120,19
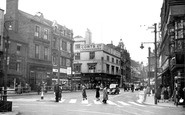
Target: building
97,63
38,47
172,55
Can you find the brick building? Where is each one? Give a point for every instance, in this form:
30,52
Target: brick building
39,45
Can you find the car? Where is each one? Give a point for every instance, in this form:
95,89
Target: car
113,89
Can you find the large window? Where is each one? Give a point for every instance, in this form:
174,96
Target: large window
46,53
64,45
107,68
91,55
112,69
37,31
54,60
92,68
37,51
77,68
62,61
18,48
180,29
54,42
18,66
112,60
45,34
107,58
77,46
77,56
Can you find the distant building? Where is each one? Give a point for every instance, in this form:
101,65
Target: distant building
97,63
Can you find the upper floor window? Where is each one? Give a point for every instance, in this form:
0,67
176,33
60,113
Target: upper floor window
64,45
37,51
54,60
46,53
18,48
117,61
77,56
77,46
112,60
91,55
46,33
77,68
112,69
18,66
37,31
62,61
107,68
180,29
117,70
54,42
107,58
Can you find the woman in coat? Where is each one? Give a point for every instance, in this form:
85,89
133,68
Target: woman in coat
105,95
98,92
84,95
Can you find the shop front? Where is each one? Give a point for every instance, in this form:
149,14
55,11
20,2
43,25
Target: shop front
38,75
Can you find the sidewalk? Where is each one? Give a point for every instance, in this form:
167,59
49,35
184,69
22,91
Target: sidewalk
150,101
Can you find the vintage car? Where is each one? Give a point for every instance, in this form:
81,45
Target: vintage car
113,89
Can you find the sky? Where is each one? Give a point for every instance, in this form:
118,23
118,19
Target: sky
108,20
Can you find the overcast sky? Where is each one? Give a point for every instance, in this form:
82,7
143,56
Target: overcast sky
108,20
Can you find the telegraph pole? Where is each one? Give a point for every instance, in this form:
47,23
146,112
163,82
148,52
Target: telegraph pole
149,75
155,43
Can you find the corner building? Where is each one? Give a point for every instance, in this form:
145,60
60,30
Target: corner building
97,63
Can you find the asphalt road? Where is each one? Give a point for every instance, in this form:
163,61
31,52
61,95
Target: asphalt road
71,104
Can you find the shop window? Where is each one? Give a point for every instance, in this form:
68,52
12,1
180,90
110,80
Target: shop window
92,68
77,68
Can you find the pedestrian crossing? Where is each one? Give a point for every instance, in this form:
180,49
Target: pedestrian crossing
117,103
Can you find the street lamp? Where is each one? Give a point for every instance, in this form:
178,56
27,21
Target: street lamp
155,47
5,56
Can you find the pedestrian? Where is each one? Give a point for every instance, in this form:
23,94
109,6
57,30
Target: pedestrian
57,92
146,91
98,92
169,93
84,95
165,95
162,94
38,89
60,92
158,93
105,95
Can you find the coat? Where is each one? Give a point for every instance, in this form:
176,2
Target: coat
84,95
97,92
105,94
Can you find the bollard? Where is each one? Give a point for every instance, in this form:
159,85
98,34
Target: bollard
42,95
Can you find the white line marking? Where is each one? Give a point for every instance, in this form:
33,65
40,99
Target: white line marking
97,102
136,104
84,101
62,100
72,101
112,103
123,103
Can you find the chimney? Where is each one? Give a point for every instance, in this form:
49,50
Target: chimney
12,13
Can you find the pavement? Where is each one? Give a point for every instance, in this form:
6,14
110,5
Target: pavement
150,101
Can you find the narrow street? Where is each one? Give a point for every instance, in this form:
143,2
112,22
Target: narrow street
123,104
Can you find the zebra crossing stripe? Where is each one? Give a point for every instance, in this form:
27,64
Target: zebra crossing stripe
112,103
97,102
84,101
123,103
73,101
136,104
62,100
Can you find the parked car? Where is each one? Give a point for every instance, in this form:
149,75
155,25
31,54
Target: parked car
113,89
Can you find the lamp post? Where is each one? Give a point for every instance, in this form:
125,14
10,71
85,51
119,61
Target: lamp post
5,56
155,47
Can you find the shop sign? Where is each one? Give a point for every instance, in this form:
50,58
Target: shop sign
91,47
55,70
